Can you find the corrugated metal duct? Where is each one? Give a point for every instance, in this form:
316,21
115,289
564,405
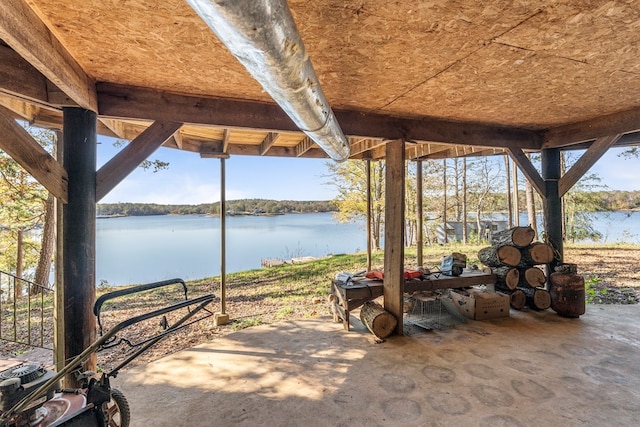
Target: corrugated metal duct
265,39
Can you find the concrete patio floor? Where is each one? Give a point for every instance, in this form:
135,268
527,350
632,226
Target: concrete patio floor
532,369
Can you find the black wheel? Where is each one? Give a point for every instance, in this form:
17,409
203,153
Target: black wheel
116,411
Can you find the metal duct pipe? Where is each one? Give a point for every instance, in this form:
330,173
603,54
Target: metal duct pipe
265,39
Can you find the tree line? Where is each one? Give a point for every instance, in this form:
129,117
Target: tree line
469,190
233,207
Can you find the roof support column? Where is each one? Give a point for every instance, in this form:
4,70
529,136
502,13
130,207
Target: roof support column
394,231
79,233
552,205
222,318
369,214
419,214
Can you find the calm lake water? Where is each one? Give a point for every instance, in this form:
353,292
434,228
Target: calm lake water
147,249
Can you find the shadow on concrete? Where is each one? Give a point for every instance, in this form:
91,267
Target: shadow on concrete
534,368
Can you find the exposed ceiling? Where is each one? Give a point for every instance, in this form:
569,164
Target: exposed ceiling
455,78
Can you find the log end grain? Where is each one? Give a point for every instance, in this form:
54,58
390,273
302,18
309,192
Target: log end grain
541,253
380,322
534,277
523,236
517,299
509,255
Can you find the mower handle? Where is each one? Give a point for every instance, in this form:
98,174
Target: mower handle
132,290
201,302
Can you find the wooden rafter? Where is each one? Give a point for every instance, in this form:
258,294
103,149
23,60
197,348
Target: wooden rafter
17,142
226,136
115,126
424,150
588,159
304,146
149,104
123,163
268,142
22,29
612,124
362,145
177,137
528,170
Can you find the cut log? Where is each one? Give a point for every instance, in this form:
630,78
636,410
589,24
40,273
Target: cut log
380,322
517,298
494,256
517,236
532,277
535,254
508,277
537,298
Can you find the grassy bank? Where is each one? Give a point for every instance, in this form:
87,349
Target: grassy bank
299,291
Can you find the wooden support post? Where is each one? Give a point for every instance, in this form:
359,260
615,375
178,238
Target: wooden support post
465,236
553,203
394,231
444,203
79,234
508,181
369,215
419,214
58,304
222,318
516,199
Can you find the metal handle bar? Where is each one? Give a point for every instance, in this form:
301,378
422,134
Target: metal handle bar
132,290
203,301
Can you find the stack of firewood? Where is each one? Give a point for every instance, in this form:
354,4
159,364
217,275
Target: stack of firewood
513,257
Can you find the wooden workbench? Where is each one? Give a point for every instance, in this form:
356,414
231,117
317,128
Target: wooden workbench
347,297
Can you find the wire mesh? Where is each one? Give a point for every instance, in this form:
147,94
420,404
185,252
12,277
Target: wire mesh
432,311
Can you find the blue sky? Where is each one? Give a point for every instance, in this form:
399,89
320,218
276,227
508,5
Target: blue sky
192,180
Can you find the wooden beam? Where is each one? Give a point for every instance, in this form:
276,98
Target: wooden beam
394,232
588,159
130,157
304,146
214,155
268,142
22,30
127,101
529,171
225,139
588,130
22,148
19,78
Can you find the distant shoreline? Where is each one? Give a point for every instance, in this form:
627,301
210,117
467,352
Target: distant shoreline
213,215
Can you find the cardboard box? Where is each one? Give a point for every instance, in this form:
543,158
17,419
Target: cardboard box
481,304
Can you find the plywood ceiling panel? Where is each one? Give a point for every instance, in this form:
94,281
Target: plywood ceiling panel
506,85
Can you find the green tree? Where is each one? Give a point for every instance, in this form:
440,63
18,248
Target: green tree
580,203
24,207
350,179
